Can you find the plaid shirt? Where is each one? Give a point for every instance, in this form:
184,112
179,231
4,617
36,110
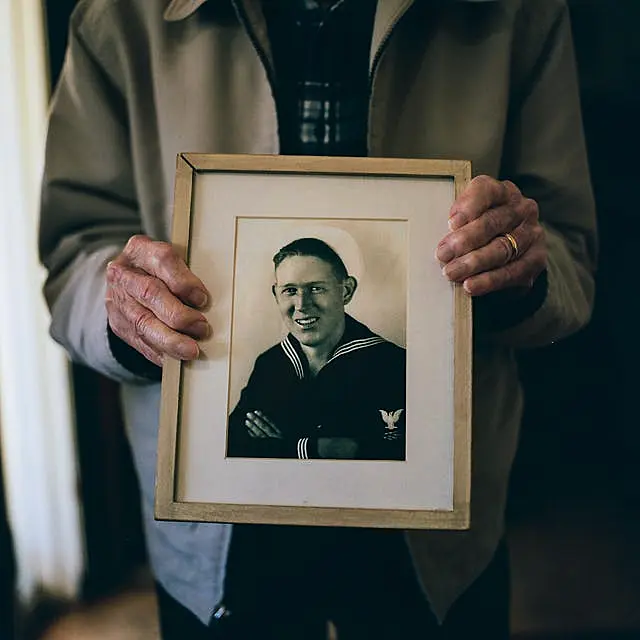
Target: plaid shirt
321,58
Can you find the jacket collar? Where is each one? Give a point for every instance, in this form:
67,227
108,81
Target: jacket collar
180,9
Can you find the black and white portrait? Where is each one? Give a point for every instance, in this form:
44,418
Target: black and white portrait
330,386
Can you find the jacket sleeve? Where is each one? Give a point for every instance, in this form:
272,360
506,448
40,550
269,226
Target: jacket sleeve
89,208
545,156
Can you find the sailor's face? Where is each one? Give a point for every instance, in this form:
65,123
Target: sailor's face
311,299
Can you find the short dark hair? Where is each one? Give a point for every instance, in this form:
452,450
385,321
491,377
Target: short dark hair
315,248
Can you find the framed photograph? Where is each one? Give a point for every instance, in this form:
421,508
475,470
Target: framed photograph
335,388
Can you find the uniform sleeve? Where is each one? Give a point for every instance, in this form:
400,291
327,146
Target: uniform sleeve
545,156
89,207
385,437
387,446
375,416
254,397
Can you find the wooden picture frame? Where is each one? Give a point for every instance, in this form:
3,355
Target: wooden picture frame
231,213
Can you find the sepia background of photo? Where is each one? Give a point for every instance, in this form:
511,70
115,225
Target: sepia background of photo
374,252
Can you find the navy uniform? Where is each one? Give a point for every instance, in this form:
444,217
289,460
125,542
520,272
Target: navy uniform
358,394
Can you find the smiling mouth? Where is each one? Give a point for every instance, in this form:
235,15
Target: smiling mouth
306,323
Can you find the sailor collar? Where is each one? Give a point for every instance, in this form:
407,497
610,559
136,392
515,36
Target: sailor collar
356,336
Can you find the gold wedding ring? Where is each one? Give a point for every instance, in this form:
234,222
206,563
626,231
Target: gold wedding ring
514,245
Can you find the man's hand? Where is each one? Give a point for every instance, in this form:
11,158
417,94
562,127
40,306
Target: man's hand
337,448
259,426
478,254
150,300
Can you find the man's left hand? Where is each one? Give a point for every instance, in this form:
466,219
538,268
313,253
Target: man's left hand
478,252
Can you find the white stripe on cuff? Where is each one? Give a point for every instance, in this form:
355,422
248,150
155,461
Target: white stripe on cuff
303,453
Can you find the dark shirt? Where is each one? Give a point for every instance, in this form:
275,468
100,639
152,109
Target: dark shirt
321,60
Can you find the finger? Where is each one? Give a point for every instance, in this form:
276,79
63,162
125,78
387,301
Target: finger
519,273
152,293
161,260
478,233
272,426
253,430
118,324
494,255
482,193
263,425
141,323
255,426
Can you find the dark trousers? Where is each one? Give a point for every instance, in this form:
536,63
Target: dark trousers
368,591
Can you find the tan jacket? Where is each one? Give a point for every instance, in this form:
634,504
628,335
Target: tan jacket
491,82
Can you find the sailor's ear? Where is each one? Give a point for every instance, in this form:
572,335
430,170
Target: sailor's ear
349,285
273,290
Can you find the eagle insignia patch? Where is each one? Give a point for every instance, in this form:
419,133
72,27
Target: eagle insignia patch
390,419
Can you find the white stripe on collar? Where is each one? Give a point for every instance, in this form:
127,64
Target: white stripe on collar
347,347
291,353
356,344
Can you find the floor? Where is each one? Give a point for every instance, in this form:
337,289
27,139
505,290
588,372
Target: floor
129,615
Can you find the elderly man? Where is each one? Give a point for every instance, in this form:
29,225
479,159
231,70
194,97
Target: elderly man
488,81
331,388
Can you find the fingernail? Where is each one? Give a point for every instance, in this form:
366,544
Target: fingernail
198,298
444,253
454,274
201,329
455,221
187,352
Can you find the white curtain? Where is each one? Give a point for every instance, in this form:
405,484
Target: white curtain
36,423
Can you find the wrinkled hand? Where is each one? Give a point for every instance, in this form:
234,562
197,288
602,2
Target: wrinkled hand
477,254
150,300
259,426
338,448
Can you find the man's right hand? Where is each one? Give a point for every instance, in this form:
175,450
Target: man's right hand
152,299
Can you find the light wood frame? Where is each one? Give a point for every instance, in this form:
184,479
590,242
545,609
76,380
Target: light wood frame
168,506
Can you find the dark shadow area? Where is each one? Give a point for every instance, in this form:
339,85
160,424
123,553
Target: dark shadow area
580,430
7,569
575,510
109,490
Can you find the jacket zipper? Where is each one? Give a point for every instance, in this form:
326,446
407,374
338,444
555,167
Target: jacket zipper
384,41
